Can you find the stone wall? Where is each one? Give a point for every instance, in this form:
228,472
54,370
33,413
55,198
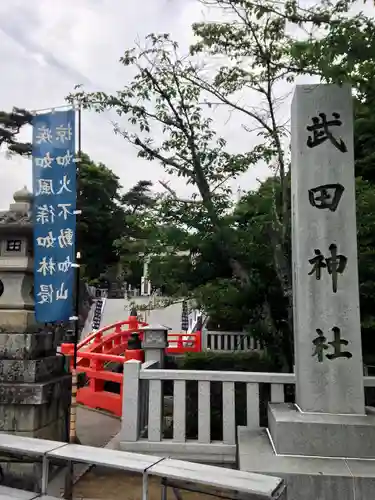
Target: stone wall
34,394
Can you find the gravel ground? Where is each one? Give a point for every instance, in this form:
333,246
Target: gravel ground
108,485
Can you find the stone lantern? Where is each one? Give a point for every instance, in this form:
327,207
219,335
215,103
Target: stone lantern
155,342
16,264
34,387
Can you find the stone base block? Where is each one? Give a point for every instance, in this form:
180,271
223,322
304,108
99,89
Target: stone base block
54,431
31,370
30,418
320,435
25,472
31,345
35,394
16,320
307,478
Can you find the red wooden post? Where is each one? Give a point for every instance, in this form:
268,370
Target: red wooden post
180,343
137,354
118,328
134,349
118,339
97,339
68,351
95,384
133,323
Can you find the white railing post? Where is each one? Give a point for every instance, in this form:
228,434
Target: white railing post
204,334
131,401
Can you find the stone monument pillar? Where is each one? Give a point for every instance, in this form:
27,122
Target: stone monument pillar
145,282
327,326
34,387
310,442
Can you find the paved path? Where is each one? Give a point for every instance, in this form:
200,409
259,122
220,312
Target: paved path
94,428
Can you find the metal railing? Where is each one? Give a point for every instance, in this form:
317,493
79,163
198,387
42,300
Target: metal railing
174,473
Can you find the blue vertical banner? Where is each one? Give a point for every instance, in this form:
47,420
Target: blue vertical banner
54,189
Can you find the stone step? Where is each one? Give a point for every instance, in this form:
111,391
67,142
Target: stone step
307,478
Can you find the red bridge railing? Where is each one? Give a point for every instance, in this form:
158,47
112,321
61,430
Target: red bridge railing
97,353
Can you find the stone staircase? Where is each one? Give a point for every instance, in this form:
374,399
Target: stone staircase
119,309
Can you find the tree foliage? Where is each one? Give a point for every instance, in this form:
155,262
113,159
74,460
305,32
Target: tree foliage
160,101
102,220
235,259
232,258
11,124
138,206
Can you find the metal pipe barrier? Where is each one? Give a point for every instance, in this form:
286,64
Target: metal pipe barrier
175,473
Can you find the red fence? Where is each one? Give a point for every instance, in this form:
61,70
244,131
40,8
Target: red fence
98,350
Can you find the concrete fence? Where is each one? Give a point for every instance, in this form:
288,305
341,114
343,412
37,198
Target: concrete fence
220,341
145,410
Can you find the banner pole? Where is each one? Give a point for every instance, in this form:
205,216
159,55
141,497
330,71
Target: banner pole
78,254
68,493
73,412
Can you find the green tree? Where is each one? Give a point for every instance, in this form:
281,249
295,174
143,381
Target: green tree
325,39
139,205
366,264
102,220
266,43
364,151
364,144
263,46
11,124
159,99
254,43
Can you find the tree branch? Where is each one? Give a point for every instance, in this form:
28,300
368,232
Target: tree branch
175,197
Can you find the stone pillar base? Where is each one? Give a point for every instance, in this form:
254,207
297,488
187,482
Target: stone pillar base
22,319
34,398
307,478
320,435
31,409
156,355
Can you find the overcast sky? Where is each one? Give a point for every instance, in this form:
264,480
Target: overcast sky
46,47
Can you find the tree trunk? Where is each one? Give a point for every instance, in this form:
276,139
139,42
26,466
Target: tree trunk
283,272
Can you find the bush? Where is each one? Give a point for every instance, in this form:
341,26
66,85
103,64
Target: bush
237,361
245,361
82,380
